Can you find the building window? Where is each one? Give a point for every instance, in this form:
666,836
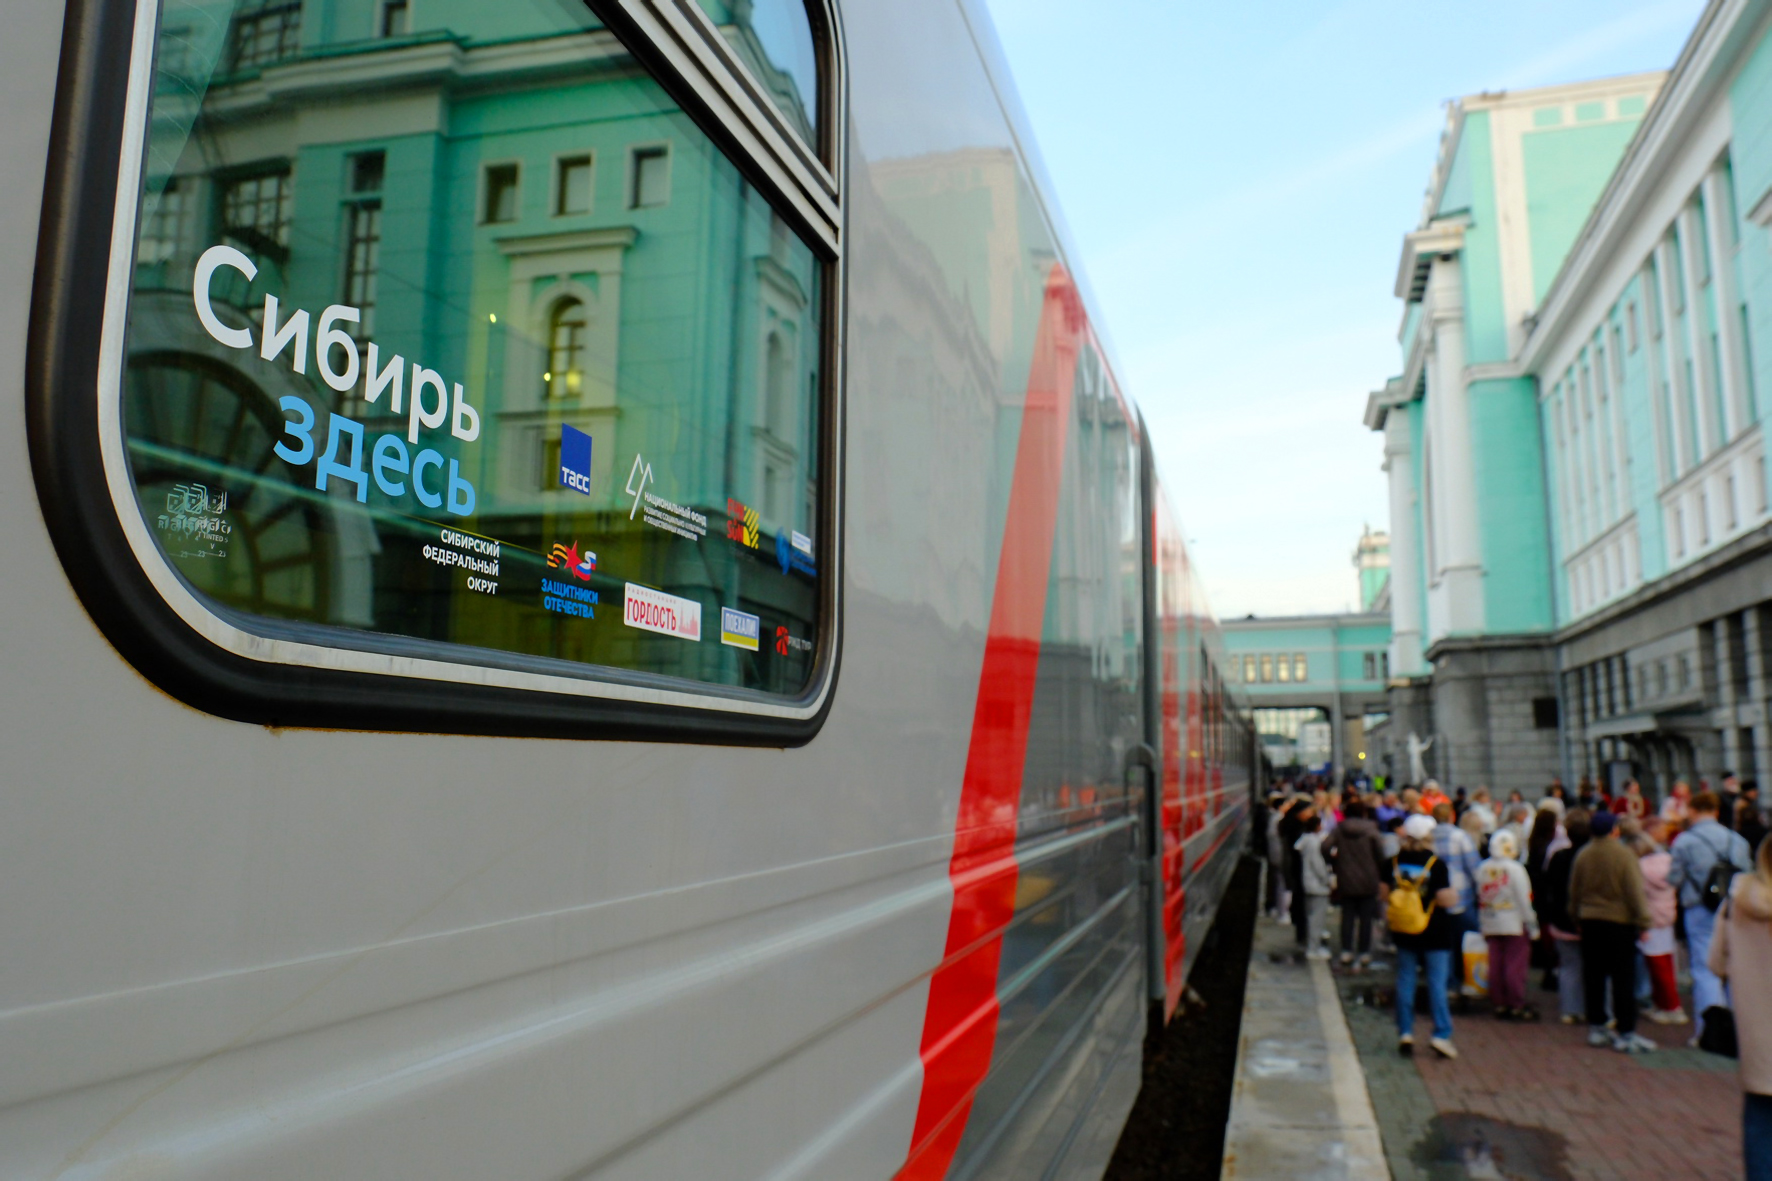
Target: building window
550,461
1283,669
1630,324
363,236
1300,670
1369,666
255,211
265,32
572,184
500,195
1544,713
566,350
1249,669
651,182
393,18
163,228
1267,669
1384,665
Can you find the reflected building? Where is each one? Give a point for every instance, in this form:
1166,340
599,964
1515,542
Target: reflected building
505,198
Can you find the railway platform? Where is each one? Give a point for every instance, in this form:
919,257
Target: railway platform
1300,1106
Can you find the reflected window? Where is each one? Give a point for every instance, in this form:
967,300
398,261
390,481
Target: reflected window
500,202
572,184
340,389
651,178
566,350
256,210
1267,669
1300,668
1283,669
266,31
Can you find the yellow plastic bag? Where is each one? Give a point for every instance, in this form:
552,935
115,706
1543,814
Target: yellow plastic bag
1476,963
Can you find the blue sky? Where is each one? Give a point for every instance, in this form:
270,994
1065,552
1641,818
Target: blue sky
1236,179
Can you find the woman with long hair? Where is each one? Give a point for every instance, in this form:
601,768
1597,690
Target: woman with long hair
1741,953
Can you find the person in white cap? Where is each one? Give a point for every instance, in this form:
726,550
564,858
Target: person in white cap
1504,894
1420,890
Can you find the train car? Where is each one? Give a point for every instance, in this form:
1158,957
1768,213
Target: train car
582,600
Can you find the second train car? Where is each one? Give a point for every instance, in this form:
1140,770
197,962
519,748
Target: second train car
582,601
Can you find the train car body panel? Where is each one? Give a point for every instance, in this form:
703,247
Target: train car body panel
914,944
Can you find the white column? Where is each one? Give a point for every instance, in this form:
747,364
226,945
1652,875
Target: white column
1729,344
1405,552
1710,431
1678,409
1459,547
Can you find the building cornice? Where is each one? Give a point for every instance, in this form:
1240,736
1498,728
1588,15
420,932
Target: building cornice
1420,249
1696,78
1380,402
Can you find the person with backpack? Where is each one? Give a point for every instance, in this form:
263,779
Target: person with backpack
1741,953
1606,899
1705,857
1419,892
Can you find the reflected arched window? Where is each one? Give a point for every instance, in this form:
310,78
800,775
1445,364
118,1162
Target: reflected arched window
778,372
564,377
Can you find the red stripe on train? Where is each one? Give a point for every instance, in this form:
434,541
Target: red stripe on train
960,1026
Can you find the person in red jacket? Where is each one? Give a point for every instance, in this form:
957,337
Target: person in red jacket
1629,803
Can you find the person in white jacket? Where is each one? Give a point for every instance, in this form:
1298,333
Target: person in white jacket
1504,894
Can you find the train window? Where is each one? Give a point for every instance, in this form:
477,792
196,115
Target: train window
354,337
774,38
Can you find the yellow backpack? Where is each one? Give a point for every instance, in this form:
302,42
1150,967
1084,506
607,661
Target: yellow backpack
1405,913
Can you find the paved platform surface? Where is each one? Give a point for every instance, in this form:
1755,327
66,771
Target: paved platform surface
1300,1107
1535,1102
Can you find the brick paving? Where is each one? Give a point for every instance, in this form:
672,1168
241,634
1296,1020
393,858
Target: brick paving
1532,1102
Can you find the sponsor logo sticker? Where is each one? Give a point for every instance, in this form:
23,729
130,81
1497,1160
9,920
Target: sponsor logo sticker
564,598
659,512
568,558
575,459
741,523
791,557
655,611
739,629
785,643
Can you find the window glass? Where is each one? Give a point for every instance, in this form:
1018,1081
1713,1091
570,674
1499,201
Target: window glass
774,38
376,387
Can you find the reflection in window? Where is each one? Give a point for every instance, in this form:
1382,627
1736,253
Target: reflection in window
566,350
774,39
363,237
255,211
662,370
652,178
1300,668
1249,669
1267,669
572,185
163,224
1284,669
266,31
501,193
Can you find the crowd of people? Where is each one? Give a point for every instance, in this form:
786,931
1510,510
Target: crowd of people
1599,892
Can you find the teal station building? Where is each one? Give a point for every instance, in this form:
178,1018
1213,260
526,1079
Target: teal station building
1581,556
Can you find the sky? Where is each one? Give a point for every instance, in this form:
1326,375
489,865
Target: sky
1236,180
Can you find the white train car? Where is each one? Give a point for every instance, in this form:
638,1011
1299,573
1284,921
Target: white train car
582,601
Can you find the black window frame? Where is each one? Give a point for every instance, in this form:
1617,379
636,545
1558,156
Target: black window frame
82,283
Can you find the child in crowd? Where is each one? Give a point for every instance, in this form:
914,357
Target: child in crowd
1504,893
1657,943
